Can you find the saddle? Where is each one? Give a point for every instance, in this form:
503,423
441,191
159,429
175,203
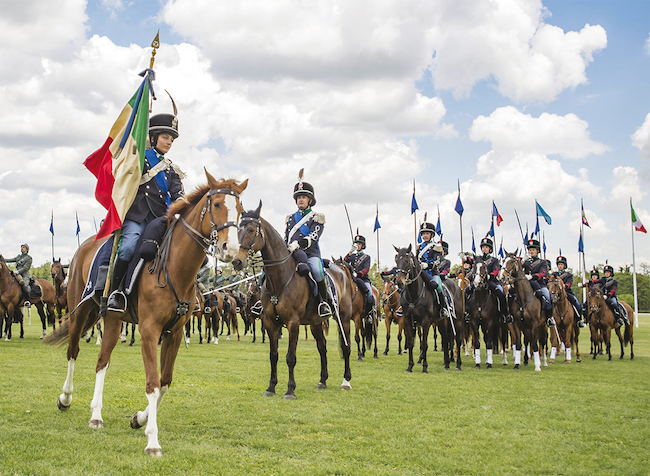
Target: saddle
35,291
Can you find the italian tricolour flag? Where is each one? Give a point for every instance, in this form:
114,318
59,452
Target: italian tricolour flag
638,226
119,162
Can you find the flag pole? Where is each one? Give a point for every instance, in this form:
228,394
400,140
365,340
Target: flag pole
415,223
636,298
52,231
378,271
77,217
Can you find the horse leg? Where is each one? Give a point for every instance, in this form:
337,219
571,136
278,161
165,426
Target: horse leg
534,345
568,342
41,313
620,339
488,337
293,328
400,331
435,337
409,338
516,349
374,335
273,333
357,338
608,342
111,334
424,346
321,344
477,346
387,322
76,324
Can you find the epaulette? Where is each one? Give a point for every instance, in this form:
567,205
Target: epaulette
319,218
287,219
437,247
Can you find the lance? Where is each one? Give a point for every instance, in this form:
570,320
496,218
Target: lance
349,223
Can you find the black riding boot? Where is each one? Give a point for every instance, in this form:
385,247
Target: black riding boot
324,308
618,315
550,322
117,299
26,290
444,306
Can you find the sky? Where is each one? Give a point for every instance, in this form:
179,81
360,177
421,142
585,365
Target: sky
515,100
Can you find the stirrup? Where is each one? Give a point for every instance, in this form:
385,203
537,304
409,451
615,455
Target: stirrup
117,301
550,322
257,308
581,323
324,310
207,310
620,321
27,304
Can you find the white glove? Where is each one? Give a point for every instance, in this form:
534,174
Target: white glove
425,265
529,277
293,246
354,274
353,249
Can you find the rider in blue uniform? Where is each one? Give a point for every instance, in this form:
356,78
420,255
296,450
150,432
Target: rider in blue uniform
430,255
360,263
302,234
494,285
155,194
567,279
536,270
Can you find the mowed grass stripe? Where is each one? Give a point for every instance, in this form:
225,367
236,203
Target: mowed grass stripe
587,418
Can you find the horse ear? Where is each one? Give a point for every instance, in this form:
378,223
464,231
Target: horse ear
239,188
517,251
408,250
396,248
211,180
259,207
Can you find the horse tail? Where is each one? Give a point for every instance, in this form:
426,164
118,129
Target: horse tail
59,336
626,335
367,332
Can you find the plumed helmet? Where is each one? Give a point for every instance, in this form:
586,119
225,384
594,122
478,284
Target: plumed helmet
360,239
594,272
469,259
487,242
26,246
163,123
561,259
533,244
304,188
609,268
426,226
445,247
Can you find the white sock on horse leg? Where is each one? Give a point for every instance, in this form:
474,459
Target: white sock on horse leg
517,357
568,353
553,352
488,359
563,347
477,356
538,362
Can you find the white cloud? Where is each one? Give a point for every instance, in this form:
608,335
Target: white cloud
641,138
510,130
626,184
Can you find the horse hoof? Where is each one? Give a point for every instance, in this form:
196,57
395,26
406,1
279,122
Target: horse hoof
61,406
346,385
134,421
567,361
359,359
488,366
538,369
153,451
96,424
457,369
516,367
409,370
552,361
268,394
385,353
375,356
477,366
321,385
289,396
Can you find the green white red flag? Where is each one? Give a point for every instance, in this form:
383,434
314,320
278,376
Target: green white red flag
638,226
119,162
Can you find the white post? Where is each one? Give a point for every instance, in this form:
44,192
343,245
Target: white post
636,300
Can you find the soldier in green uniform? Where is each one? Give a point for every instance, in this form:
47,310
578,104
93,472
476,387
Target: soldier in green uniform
203,283
23,264
220,281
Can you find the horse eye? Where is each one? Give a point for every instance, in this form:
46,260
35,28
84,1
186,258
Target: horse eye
217,205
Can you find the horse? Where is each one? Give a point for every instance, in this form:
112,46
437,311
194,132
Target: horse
164,299
10,297
361,325
566,327
200,315
230,318
288,300
526,310
60,289
253,309
392,311
484,312
601,318
421,308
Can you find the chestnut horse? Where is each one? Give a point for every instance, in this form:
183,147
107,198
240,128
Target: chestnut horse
484,313
164,300
392,311
287,300
60,289
602,321
566,327
361,324
10,297
421,308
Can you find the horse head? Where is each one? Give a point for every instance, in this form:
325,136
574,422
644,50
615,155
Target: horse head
216,208
57,270
555,286
481,276
250,236
407,267
595,298
512,268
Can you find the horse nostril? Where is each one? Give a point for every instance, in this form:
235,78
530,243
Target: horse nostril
224,246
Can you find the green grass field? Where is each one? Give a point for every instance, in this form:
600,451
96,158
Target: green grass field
589,418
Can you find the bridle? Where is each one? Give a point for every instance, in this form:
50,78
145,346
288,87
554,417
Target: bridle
212,240
243,222
406,272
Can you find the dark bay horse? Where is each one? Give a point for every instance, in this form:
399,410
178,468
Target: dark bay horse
392,311
484,314
288,300
602,321
60,289
253,307
164,299
10,297
361,324
526,310
421,308
566,327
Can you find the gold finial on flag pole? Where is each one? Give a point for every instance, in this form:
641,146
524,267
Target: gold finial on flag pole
155,44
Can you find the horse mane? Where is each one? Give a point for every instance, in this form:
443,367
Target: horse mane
180,205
